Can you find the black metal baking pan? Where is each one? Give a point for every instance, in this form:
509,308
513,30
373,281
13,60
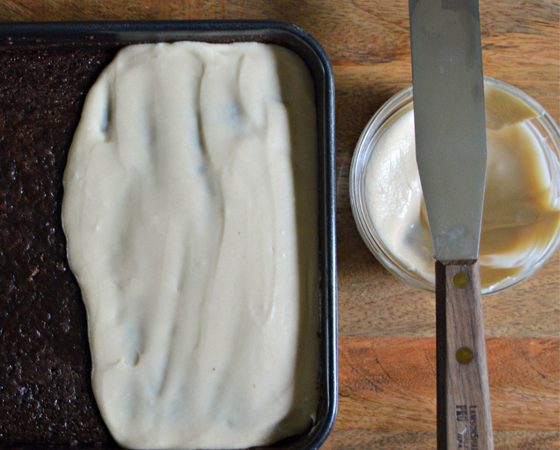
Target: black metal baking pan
45,71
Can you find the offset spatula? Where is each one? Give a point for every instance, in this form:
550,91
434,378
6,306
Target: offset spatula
451,155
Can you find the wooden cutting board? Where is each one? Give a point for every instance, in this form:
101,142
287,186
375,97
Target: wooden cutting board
387,346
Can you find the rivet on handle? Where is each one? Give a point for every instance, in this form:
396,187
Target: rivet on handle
460,280
464,355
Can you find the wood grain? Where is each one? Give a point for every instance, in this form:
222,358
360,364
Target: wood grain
388,383
377,304
410,440
387,364
55,10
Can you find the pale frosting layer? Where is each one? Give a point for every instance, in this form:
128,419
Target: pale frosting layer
190,213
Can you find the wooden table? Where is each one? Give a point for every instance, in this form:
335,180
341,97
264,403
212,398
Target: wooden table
386,340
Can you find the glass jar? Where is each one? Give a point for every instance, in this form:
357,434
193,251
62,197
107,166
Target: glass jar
543,129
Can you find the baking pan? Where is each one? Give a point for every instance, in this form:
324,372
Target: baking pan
45,71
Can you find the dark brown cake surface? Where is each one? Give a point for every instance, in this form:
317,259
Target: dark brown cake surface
45,389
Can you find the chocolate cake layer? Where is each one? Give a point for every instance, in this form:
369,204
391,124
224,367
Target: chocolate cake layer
45,389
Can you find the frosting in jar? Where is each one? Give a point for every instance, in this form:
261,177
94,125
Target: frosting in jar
521,210
190,213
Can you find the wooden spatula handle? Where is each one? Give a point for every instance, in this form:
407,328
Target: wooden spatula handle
463,399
